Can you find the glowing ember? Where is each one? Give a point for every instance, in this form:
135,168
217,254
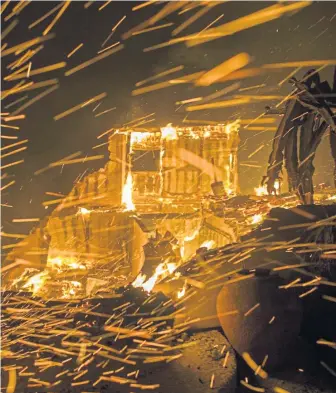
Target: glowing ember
209,244
232,127
139,280
36,282
138,137
168,132
261,190
70,289
182,291
163,270
84,211
127,198
60,263
256,219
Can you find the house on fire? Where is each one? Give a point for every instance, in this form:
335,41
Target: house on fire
157,181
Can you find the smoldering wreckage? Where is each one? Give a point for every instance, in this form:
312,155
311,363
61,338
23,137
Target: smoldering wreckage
154,273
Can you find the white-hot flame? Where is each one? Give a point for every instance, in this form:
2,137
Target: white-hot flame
209,244
257,218
63,263
71,288
36,282
182,291
262,190
168,132
163,270
232,127
127,194
83,211
138,137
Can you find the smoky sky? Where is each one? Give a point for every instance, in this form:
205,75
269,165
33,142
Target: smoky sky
305,35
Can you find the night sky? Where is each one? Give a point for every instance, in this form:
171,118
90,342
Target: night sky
306,35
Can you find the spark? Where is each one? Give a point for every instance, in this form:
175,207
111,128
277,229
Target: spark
161,74
75,50
93,60
212,381
193,18
104,5
119,23
256,151
57,17
76,161
41,70
26,220
189,100
212,23
328,368
109,47
308,292
80,106
11,118
13,152
224,69
44,16
12,127
26,44
16,102
107,110
246,22
253,365
219,104
251,309
8,137
277,389
11,164
35,99
11,381
152,28
105,133
252,87
9,29
142,5
306,63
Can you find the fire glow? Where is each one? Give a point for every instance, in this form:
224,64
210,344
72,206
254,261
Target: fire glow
162,271
127,194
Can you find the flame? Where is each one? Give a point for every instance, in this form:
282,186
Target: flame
60,263
209,244
163,270
127,198
261,190
70,288
36,282
168,132
256,219
182,291
138,137
232,127
83,211
139,280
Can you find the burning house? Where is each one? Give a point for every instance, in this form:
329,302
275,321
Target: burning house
152,201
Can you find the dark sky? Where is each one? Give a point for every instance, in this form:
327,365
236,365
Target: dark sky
306,35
